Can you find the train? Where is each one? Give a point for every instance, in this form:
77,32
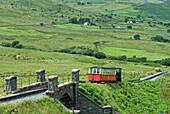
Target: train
104,74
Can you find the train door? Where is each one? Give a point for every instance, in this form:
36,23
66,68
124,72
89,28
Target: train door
118,74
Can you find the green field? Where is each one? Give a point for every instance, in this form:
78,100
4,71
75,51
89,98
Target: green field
44,28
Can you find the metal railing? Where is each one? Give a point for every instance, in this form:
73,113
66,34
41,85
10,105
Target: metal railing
64,78
27,80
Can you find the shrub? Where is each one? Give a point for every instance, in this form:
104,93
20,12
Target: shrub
6,44
159,39
126,19
18,46
134,21
168,30
129,27
137,37
65,50
113,58
138,16
14,43
73,20
41,24
165,62
89,52
83,20
100,55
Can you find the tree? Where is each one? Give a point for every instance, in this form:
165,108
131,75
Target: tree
83,20
134,21
112,26
14,43
168,30
100,55
73,20
129,27
41,24
138,16
18,46
160,39
137,37
89,52
96,45
126,19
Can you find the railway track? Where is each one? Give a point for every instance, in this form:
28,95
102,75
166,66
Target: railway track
151,77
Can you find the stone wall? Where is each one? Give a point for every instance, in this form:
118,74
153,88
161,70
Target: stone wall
88,106
38,85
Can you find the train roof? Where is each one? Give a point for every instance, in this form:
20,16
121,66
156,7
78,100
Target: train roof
105,67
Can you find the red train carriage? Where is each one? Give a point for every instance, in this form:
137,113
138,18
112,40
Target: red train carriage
104,74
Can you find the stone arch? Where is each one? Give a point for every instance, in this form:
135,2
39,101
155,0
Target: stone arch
66,100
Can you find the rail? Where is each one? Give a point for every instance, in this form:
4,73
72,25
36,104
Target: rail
64,78
27,80
150,77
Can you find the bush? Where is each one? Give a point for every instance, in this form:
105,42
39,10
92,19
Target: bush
89,52
100,55
6,44
14,43
137,37
168,30
129,27
165,62
160,39
113,58
83,20
138,16
65,50
18,46
73,20
41,24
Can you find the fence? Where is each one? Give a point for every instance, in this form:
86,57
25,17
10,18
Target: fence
64,78
27,80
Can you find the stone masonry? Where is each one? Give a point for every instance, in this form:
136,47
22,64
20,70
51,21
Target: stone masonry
11,83
40,75
67,93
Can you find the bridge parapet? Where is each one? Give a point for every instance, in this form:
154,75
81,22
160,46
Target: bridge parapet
40,75
11,83
75,75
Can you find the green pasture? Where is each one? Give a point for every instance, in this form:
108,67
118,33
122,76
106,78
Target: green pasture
59,64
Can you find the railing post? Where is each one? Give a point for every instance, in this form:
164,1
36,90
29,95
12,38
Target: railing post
107,109
11,83
75,79
29,80
52,84
40,75
75,75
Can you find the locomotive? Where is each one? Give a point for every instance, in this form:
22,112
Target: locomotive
104,74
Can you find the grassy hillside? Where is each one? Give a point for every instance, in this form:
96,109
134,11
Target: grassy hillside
39,106
52,42
127,97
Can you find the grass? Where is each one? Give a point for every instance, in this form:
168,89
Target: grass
59,63
43,105
62,34
166,89
127,97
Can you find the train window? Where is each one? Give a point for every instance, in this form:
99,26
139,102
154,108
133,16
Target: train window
94,70
98,71
90,71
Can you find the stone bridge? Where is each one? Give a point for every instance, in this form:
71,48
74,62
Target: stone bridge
67,93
